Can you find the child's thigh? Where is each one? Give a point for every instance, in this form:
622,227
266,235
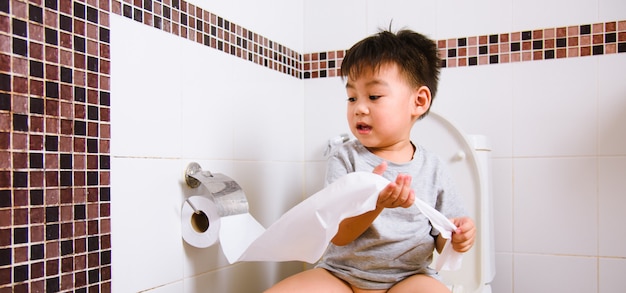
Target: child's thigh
314,281
419,283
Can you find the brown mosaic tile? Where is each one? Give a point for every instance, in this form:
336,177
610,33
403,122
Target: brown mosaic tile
6,237
5,218
598,39
37,232
598,28
80,229
67,281
5,160
19,141
610,49
5,62
36,179
52,265
51,54
20,66
585,40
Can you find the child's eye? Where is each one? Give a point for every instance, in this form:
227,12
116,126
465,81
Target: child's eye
351,99
374,97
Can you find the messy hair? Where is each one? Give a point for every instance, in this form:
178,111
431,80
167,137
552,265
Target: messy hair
414,54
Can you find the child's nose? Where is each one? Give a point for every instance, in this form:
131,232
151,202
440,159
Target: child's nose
361,108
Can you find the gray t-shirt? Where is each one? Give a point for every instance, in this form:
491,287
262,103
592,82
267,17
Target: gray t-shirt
400,242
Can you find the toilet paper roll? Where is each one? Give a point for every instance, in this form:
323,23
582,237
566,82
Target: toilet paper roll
200,229
225,199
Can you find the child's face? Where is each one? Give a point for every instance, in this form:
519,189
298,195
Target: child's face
382,107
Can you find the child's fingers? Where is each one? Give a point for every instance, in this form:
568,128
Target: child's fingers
463,237
396,194
410,199
405,192
462,244
385,197
463,224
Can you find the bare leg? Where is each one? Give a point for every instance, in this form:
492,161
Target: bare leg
313,281
419,284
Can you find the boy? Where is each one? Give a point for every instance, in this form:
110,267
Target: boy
391,82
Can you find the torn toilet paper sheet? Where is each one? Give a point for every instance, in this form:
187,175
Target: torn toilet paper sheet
449,259
304,232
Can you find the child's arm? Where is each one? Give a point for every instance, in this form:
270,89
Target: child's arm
351,228
395,194
462,238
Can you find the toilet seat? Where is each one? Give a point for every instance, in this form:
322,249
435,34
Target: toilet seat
467,158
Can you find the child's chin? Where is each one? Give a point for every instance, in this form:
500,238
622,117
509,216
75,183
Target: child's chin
369,143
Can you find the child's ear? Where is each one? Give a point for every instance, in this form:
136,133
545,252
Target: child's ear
422,99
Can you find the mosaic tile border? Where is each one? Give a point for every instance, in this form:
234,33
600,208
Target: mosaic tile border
532,45
187,21
54,146
196,24
540,44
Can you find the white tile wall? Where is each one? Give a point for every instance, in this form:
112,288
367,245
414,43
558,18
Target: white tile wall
324,114
460,18
611,106
612,275
533,14
550,273
503,282
612,201
555,107
502,184
206,129
383,14
268,121
333,25
314,174
555,206
611,9
150,110
145,222
470,103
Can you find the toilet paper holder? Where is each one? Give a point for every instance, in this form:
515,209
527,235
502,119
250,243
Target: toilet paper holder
192,169
223,190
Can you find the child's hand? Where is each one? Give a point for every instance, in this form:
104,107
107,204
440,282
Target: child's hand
395,194
463,237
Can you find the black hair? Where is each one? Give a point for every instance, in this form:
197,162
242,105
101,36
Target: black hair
415,54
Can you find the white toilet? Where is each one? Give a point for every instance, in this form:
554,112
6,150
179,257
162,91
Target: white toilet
468,161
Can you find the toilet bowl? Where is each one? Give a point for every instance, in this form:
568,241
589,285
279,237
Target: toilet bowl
467,157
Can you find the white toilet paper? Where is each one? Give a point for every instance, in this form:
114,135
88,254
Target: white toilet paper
304,232
449,259
200,230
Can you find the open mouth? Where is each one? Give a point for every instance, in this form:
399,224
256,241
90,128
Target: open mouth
363,128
